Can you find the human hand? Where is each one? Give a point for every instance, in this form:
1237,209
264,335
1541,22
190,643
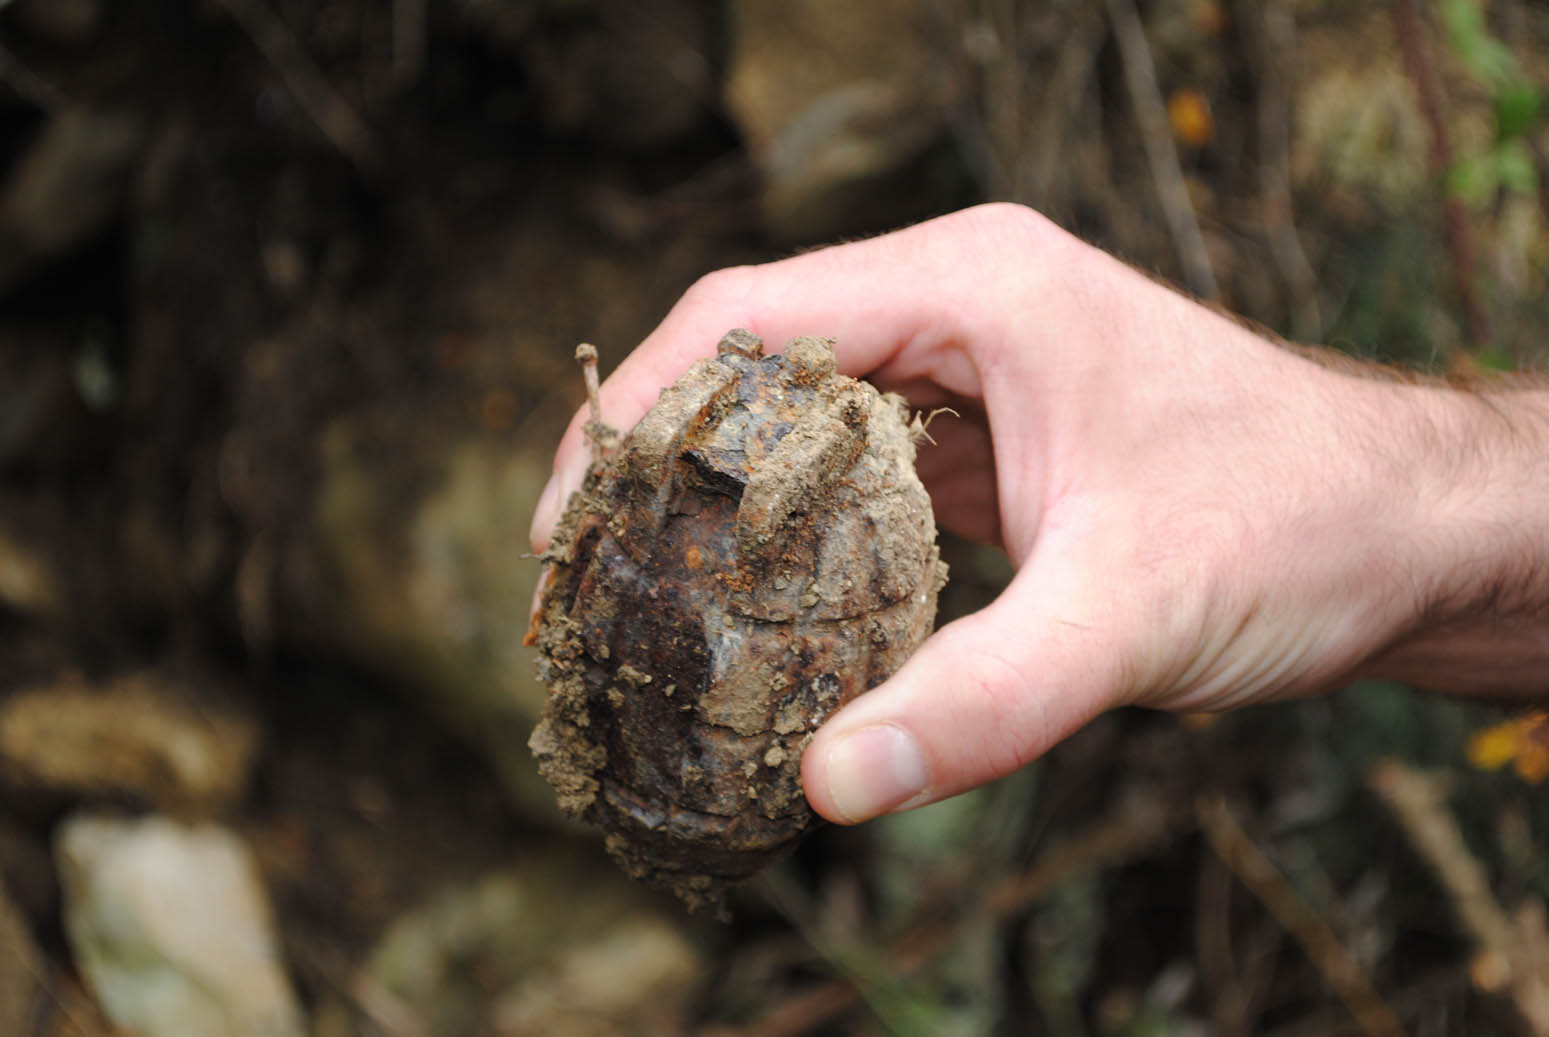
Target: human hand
1199,518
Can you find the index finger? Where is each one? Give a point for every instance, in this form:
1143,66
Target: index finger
899,306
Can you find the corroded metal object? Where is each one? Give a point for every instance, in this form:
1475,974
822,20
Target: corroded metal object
754,554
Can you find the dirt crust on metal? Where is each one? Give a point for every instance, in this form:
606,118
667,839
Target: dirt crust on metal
755,553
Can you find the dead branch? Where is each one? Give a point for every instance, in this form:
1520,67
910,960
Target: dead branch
1161,155
1270,30
1257,872
1062,91
1236,979
1459,233
1002,88
1419,997
1139,825
1510,952
330,113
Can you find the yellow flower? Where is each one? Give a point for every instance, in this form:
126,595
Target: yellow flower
1522,742
1491,748
1188,109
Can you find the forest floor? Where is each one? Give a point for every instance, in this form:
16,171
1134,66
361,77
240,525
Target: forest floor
288,296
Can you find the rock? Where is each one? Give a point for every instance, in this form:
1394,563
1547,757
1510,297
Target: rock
564,943
172,930
835,101
140,735
384,502
442,599
20,965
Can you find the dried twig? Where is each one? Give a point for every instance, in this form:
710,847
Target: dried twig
1048,156
1460,235
1235,978
332,115
1003,102
1418,998
1270,30
602,436
1139,825
1161,154
1508,957
1256,871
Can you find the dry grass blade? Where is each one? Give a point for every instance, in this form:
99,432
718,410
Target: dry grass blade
1460,236
1161,154
1510,952
1256,871
1270,29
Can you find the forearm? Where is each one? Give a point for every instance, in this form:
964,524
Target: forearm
1480,560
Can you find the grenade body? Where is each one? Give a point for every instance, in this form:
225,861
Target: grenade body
757,552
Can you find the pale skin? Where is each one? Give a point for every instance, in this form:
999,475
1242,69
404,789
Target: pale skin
1199,518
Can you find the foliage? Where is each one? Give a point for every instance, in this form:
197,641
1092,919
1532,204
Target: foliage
1516,102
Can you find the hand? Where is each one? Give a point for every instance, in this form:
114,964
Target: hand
1200,519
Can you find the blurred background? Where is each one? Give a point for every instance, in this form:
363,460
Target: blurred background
288,294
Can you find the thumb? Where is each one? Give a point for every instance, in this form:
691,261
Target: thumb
982,697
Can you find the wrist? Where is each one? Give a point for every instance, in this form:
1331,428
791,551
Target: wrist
1477,545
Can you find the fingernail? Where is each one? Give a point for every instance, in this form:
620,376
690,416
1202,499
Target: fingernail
874,770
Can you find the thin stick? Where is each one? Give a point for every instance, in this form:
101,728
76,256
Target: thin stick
1167,173
1424,997
1271,32
1134,828
1460,235
1048,156
1418,803
586,356
1003,101
329,112
1328,955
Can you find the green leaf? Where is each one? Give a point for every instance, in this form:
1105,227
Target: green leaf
1492,357
1473,180
1485,56
1515,169
1517,110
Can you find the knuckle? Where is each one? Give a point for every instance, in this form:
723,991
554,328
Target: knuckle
719,286
1010,224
